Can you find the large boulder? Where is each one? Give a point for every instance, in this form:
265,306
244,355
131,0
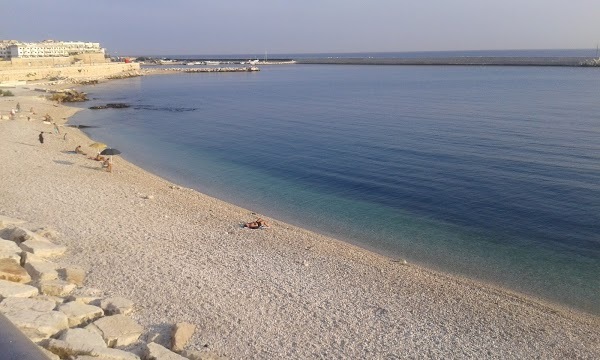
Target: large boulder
117,330
11,289
80,313
11,270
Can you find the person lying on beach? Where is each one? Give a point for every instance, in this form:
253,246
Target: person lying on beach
79,151
97,158
256,224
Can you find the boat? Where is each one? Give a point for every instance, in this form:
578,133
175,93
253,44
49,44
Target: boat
253,62
208,62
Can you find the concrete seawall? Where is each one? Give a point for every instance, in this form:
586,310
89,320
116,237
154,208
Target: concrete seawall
68,71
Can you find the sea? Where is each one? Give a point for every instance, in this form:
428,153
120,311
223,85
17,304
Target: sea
487,172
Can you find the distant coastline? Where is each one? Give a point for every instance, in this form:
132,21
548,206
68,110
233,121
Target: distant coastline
489,61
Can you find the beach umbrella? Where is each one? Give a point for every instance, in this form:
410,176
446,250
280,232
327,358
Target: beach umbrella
98,145
110,152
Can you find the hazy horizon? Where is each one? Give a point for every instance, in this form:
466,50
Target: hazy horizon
155,27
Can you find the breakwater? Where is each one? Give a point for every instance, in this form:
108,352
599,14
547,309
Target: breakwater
149,71
487,60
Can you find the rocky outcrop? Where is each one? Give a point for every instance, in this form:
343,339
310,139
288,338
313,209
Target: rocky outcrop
50,305
110,106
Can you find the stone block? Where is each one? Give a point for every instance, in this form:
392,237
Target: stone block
117,330
41,269
19,235
202,355
73,274
11,289
43,248
116,305
80,313
38,325
59,288
11,270
87,295
181,334
9,250
158,352
19,304
6,221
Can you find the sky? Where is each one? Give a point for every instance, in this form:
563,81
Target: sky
186,27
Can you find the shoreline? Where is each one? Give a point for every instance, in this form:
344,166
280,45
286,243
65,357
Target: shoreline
168,242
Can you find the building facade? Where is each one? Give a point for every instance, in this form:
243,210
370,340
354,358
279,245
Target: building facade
10,49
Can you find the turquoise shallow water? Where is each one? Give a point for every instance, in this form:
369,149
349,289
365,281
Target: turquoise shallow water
488,172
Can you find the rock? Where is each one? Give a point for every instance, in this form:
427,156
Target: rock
56,287
110,106
10,289
20,304
11,270
38,325
9,250
86,295
19,235
202,355
117,305
80,313
43,248
49,354
73,274
158,352
41,269
82,340
5,221
55,299
47,233
113,354
181,334
117,330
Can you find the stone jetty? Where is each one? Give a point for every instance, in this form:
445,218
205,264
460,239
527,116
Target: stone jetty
50,304
200,70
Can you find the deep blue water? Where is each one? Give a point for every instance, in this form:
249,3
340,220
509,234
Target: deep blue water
488,172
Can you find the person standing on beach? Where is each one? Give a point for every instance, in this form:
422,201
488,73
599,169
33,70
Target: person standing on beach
41,137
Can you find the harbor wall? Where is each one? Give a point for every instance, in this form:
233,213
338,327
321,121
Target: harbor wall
29,73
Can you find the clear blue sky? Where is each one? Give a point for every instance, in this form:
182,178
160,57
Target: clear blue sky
128,27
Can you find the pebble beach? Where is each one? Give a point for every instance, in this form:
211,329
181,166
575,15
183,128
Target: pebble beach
275,292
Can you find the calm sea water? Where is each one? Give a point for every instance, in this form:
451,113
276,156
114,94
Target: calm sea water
488,172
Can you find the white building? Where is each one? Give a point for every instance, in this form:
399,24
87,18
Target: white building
48,48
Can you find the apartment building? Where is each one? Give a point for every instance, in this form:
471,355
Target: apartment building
10,49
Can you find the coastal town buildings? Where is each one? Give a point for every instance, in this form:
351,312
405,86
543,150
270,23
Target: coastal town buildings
10,49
